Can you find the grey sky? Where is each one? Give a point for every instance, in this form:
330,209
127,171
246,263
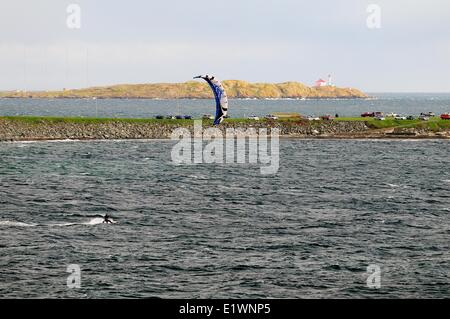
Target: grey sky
139,41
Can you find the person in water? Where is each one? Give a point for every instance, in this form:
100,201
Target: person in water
107,220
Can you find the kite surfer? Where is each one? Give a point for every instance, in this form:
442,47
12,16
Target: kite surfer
107,220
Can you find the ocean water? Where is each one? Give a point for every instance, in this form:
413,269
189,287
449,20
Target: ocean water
224,230
407,104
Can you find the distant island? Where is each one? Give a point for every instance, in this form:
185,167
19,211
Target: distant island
197,90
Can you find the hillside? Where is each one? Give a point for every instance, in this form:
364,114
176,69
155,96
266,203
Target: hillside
198,89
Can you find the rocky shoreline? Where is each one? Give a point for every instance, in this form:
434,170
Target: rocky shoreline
17,130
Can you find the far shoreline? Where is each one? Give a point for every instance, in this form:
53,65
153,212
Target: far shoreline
188,98
197,90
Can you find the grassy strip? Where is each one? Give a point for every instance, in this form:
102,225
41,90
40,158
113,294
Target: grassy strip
433,124
92,120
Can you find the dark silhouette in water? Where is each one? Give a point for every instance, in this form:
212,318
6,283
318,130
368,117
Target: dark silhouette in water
107,220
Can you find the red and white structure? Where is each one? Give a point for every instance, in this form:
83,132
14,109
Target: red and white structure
321,82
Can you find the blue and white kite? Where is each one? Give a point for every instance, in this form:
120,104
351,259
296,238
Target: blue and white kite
221,97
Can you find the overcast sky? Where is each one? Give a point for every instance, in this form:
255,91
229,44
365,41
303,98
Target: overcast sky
138,41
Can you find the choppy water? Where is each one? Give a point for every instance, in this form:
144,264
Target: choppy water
212,230
398,103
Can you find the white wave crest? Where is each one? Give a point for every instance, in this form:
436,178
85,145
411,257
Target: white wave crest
61,225
98,220
392,185
93,221
15,224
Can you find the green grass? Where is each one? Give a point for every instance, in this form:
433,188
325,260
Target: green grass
353,119
388,123
52,119
91,120
434,124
